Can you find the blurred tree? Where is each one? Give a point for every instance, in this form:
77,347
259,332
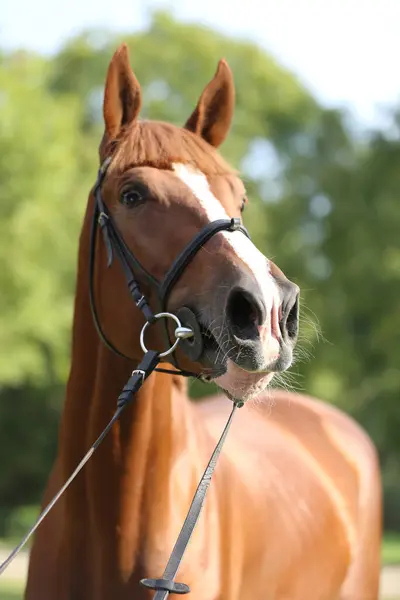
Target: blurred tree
173,61
44,182
323,206
49,156
29,417
43,188
51,115
336,226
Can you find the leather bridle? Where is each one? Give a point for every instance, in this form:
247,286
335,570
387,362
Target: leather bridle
132,269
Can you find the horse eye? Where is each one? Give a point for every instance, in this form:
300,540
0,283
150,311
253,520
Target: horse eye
243,205
131,197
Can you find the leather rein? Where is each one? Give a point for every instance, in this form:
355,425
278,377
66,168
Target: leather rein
186,328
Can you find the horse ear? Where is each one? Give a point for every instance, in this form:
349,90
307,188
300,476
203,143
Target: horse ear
212,117
122,95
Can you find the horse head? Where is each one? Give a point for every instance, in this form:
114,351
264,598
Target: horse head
164,185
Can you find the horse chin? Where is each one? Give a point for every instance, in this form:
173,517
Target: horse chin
242,385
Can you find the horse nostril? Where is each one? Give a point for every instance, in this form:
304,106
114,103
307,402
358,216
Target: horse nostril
244,314
290,321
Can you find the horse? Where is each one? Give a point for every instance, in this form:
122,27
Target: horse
294,509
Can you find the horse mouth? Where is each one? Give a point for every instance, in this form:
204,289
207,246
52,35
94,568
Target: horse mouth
239,384
236,382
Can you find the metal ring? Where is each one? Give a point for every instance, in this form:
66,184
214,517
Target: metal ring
164,315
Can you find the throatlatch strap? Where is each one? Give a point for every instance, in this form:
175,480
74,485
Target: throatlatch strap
166,585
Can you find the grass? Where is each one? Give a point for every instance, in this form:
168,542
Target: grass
391,549
14,591
10,590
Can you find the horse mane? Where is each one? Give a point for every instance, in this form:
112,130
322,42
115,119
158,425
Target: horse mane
159,145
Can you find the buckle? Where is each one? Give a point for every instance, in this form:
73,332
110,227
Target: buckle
141,373
102,219
236,224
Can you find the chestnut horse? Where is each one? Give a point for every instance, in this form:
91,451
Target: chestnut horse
294,511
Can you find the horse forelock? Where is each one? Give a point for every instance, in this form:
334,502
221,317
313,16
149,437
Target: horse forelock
160,145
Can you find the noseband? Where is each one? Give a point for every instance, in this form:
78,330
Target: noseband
132,268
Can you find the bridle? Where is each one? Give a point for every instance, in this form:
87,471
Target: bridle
187,327
115,245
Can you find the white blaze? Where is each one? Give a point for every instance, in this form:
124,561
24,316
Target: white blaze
242,246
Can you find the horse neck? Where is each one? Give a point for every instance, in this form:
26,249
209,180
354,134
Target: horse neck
152,431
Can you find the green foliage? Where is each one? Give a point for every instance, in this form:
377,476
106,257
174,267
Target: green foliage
43,189
29,417
173,62
391,549
19,521
324,206
11,592
51,111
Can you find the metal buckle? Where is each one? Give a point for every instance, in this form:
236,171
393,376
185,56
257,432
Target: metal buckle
102,219
140,372
139,302
180,332
104,166
235,224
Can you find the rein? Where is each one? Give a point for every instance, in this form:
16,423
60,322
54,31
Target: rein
186,329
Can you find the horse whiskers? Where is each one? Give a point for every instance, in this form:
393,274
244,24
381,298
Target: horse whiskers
302,353
284,381
312,321
223,341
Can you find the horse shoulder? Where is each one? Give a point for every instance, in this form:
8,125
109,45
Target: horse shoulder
296,472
